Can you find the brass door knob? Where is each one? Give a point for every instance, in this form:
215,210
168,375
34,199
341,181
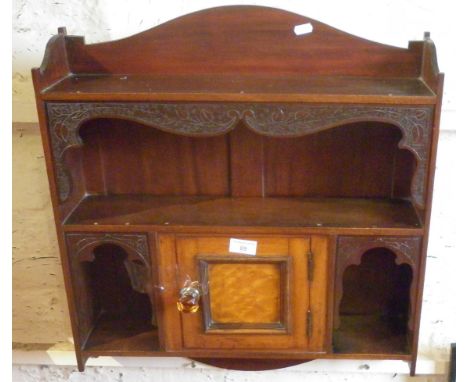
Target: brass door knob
189,298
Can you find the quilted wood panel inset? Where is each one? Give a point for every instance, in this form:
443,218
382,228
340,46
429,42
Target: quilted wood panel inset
245,293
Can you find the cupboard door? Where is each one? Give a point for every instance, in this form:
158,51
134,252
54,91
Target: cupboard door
256,301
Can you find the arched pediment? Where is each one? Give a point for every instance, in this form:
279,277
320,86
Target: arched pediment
186,45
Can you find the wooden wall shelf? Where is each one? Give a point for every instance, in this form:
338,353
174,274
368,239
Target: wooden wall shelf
241,88
202,211
318,150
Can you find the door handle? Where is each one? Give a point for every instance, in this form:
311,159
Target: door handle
189,298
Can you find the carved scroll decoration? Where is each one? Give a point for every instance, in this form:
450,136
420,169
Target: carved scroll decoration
351,248
82,245
208,119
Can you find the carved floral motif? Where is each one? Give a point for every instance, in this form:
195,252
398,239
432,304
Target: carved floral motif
82,245
205,119
350,248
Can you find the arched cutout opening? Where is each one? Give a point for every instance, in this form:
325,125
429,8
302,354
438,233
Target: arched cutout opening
375,306
122,307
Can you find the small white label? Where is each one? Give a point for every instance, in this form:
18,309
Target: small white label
245,247
303,29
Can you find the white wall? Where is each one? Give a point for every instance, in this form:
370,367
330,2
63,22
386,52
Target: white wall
392,22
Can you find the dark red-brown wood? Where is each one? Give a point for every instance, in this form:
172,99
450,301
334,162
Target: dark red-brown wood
224,122
246,39
246,87
202,211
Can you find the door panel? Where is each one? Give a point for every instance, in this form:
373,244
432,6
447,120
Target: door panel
245,293
248,302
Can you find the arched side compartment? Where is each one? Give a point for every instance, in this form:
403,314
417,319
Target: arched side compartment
211,119
394,262
111,275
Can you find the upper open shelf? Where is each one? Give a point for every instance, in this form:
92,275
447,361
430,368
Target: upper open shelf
241,88
259,57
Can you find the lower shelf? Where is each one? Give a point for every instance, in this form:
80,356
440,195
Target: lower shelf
365,335
356,339
125,334
368,335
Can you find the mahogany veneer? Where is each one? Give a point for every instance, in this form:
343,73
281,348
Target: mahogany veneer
224,124
231,87
202,211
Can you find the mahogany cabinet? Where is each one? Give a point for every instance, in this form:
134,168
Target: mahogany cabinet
233,187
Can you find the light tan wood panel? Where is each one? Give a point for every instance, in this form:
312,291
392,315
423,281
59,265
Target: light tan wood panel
320,248
230,299
167,271
278,274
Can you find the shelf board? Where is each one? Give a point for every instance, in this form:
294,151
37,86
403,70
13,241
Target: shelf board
240,88
196,211
368,335
128,333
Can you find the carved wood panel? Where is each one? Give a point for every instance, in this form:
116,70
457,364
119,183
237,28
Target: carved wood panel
138,262
82,245
205,119
351,248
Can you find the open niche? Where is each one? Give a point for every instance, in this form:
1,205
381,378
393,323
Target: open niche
375,294
113,286
374,310
137,174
